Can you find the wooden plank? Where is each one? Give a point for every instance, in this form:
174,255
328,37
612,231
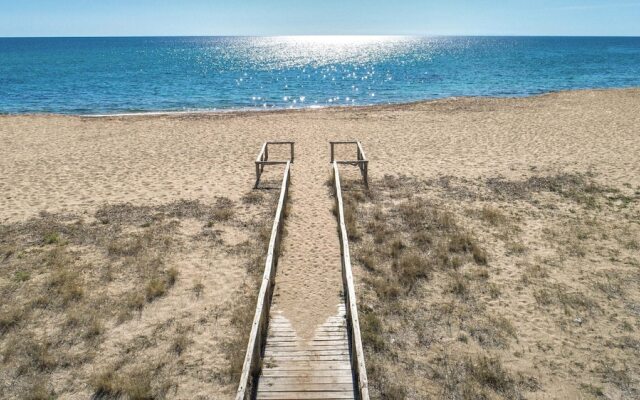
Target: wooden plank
272,162
277,339
289,353
307,365
277,357
303,343
284,321
320,331
268,373
330,335
274,349
285,380
332,328
309,345
311,351
307,358
305,387
321,336
351,162
340,347
333,324
306,355
305,395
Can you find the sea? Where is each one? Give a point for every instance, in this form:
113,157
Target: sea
119,75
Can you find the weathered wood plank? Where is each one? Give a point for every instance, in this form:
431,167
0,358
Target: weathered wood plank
308,345
285,380
282,321
293,339
306,365
305,395
272,162
321,336
304,373
350,162
331,330
289,353
288,346
305,387
330,335
290,332
306,358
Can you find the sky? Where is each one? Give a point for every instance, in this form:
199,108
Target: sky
320,17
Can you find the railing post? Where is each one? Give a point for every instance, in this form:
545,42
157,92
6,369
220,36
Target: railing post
331,145
365,173
292,151
258,171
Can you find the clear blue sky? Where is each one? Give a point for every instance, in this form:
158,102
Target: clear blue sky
294,17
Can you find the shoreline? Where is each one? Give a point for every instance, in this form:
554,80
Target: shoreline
260,111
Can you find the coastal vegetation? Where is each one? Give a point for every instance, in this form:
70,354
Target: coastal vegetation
131,301
491,288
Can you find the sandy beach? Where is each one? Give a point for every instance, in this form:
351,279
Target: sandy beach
78,165
59,163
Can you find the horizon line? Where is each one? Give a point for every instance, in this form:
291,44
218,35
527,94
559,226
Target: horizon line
322,34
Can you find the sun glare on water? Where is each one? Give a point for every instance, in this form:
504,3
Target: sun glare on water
319,50
338,40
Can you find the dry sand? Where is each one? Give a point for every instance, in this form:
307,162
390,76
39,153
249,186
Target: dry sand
59,163
75,164
308,281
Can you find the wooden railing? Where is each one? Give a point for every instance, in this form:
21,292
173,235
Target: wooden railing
263,157
353,324
361,160
253,357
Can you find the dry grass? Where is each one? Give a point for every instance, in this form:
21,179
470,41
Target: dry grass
463,281
134,386
70,281
243,309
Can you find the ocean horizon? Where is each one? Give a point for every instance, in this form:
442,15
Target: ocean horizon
121,75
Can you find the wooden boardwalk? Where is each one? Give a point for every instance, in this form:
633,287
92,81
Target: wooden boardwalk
319,368
279,363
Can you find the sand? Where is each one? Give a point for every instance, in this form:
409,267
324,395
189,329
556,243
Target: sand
75,164
59,163
309,280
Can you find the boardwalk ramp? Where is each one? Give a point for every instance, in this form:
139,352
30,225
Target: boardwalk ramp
326,361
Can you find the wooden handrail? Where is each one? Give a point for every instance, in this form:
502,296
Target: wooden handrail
357,353
361,161
353,162
251,366
361,150
263,157
261,153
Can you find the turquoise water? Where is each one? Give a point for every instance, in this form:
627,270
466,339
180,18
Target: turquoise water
122,75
